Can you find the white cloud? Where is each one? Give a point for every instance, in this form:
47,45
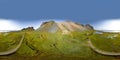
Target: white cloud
110,24
11,25
6,24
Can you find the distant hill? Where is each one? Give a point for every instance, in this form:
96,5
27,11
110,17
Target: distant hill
28,29
64,27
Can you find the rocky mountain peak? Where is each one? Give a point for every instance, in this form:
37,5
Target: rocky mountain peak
64,27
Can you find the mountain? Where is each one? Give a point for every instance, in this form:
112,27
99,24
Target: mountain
64,27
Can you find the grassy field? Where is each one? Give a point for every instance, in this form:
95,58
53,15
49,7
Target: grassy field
56,46
107,42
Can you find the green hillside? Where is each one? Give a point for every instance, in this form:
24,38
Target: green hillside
57,46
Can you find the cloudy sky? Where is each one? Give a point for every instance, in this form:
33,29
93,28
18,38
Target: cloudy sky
102,14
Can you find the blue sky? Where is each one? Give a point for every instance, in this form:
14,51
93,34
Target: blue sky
82,11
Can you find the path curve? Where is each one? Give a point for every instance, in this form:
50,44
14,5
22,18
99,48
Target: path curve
13,50
102,52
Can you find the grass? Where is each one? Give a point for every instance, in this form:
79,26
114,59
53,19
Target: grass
109,42
9,40
52,46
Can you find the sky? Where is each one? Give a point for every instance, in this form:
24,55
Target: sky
101,14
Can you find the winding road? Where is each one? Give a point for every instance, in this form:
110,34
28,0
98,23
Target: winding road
102,52
13,50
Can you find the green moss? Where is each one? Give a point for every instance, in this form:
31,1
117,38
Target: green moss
24,50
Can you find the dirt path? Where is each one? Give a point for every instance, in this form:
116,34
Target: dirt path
102,52
13,50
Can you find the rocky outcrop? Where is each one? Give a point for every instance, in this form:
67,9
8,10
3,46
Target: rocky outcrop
89,27
28,29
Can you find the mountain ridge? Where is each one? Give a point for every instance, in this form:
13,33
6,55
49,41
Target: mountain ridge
65,27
